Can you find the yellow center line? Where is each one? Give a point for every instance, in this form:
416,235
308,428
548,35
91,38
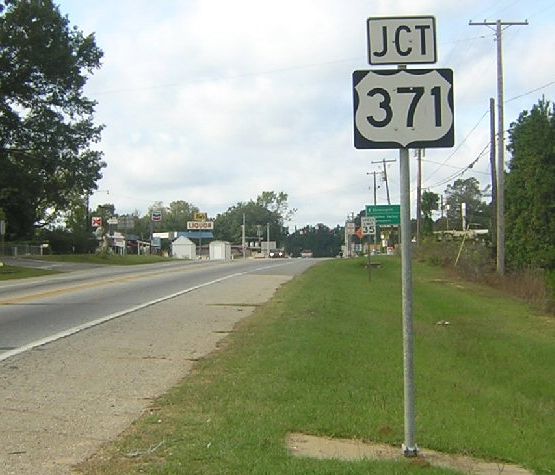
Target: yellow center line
90,285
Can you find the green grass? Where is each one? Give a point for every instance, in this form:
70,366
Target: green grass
103,259
13,272
324,357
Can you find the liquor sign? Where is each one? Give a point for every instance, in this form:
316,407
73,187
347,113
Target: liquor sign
200,225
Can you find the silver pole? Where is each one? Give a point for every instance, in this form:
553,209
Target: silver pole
243,240
409,447
267,239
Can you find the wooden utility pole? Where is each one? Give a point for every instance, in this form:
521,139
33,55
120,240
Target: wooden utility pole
374,173
384,161
500,139
493,172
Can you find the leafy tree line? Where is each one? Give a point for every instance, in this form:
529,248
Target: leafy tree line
530,189
529,194
46,122
320,239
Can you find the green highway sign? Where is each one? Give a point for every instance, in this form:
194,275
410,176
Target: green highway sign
386,215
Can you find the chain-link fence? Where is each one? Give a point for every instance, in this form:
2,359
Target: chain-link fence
19,250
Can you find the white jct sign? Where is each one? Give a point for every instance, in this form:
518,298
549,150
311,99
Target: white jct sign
411,108
401,40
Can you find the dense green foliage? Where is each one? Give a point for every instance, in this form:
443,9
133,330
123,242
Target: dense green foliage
530,189
269,208
430,202
466,191
321,240
46,122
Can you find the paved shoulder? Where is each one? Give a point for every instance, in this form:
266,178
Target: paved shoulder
62,401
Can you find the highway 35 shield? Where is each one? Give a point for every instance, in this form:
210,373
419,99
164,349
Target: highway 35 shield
403,108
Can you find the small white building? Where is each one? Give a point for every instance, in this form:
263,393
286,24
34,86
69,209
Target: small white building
220,250
184,248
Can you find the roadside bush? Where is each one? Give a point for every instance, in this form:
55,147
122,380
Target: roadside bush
64,242
475,263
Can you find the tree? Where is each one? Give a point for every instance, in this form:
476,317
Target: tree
466,191
46,122
276,203
430,202
268,208
177,215
321,240
530,189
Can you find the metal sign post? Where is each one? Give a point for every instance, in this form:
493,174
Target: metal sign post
409,447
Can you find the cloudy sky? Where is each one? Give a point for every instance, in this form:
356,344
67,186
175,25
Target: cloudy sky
215,101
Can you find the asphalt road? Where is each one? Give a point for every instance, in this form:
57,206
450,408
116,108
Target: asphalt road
85,353
39,310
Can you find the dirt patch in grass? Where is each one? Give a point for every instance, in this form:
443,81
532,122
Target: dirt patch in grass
303,445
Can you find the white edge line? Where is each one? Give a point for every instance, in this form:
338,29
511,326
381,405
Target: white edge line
99,321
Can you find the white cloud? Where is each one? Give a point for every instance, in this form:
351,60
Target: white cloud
214,101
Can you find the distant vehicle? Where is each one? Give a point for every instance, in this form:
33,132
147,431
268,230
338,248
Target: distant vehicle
277,253
306,253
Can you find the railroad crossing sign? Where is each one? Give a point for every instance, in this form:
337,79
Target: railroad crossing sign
401,40
403,108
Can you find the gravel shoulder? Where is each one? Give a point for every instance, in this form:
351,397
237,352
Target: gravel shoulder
62,401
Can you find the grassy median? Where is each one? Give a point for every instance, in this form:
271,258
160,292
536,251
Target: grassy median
324,357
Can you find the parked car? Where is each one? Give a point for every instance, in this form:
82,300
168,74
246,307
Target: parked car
306,253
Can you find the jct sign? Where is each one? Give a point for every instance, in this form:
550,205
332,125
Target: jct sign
408,40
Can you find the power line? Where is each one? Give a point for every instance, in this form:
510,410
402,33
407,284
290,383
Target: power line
460,144
461,172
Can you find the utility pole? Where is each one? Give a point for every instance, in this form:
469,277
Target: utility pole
243,241
374,173
500,139
493,171
384,161
267,239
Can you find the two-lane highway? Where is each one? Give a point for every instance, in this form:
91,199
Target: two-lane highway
143,329
34,312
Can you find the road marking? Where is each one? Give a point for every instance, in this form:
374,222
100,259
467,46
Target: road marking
99,321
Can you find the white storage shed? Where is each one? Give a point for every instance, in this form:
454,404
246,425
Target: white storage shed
220,250
184,248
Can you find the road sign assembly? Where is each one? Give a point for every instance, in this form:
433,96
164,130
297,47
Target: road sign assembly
401,109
